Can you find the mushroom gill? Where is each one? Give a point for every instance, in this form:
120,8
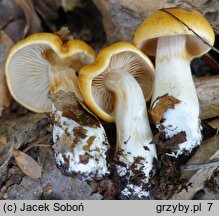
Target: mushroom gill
127,61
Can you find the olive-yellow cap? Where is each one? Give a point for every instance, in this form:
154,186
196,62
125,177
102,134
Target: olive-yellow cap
175,21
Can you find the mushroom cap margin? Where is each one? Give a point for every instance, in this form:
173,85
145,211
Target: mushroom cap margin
63,50
89,72
162,24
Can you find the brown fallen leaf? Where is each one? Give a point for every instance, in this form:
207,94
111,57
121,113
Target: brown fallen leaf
22,21
162,104
208,151
3,142
27,164
33,23
211,62
207,88
69,5
74,109
203,154
15,30
166,180
9,11
170,144
214,123
48,11
17,130
5,45
116,13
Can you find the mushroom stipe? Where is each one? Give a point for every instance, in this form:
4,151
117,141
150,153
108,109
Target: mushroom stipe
115,87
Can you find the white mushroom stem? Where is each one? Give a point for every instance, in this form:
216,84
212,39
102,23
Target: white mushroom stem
133,130
173,77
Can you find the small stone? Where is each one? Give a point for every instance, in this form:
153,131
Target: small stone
5,196
4,189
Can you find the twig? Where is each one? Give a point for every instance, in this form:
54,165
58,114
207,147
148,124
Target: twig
42,145
30,146
199,165
190,29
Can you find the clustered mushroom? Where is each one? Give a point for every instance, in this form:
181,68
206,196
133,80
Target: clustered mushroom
116,87
42,64
167,35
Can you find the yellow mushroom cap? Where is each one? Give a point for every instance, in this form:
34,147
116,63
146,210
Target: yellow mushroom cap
162,24
118,56
30,63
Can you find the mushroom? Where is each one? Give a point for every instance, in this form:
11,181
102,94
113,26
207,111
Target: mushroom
41,64
171,36
116,87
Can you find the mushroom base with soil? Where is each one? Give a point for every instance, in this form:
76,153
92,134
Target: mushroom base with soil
80,142
134,151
